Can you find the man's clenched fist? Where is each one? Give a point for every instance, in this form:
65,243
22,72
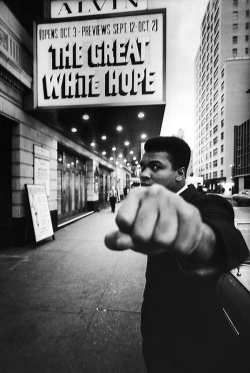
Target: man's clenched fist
153,220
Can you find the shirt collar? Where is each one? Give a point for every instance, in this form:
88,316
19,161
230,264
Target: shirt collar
182,189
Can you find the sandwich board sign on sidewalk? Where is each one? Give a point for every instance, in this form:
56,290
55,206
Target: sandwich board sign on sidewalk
40,212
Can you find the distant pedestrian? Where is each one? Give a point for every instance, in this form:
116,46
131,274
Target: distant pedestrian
125,192
112,198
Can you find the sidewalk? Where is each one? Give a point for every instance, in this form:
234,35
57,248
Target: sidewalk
71,305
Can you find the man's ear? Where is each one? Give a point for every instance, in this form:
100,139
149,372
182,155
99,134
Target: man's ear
181,173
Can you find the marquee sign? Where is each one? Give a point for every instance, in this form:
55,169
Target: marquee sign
101,61
74,8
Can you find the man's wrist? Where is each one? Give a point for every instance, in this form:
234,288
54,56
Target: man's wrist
203,260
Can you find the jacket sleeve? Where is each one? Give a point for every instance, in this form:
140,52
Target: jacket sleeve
218,213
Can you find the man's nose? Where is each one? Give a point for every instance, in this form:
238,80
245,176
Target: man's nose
145,174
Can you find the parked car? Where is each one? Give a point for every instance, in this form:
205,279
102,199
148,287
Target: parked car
233,290
242,198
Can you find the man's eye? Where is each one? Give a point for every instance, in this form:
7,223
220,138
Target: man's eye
155,168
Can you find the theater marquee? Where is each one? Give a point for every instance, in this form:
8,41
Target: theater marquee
101,61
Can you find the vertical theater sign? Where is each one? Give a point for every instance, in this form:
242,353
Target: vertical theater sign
87,57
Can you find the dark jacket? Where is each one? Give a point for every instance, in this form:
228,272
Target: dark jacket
182,312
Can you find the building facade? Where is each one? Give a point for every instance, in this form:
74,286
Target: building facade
222,79
241,167
79,173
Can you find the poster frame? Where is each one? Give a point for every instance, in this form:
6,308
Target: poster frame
48,229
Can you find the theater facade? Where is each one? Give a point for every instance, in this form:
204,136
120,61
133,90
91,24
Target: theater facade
82,85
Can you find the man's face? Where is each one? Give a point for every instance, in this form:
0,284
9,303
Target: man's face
157,169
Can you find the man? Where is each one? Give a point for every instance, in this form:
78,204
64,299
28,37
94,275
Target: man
112,198
190,240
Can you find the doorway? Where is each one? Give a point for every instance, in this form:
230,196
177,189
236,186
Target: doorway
71,185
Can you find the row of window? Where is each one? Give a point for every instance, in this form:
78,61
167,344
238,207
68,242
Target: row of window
235,52
236,14
209,165
215,175
236,2
235,39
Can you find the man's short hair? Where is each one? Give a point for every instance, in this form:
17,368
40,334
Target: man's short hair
178,150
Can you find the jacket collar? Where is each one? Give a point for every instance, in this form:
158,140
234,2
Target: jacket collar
188,193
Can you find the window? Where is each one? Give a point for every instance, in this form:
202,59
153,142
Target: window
222,148
222,123
222,73
235,2
221,160
216,61
246,38
222,135
215,163
215,174
222,110
247,26
235,26
215,140
215,129
246,50
221,173
235,15
222,98
247,13
235,39
234,52
222,86
215,151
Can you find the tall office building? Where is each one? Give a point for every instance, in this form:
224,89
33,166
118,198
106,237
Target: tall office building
222,79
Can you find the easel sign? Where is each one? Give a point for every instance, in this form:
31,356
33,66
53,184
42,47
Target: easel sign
40,213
